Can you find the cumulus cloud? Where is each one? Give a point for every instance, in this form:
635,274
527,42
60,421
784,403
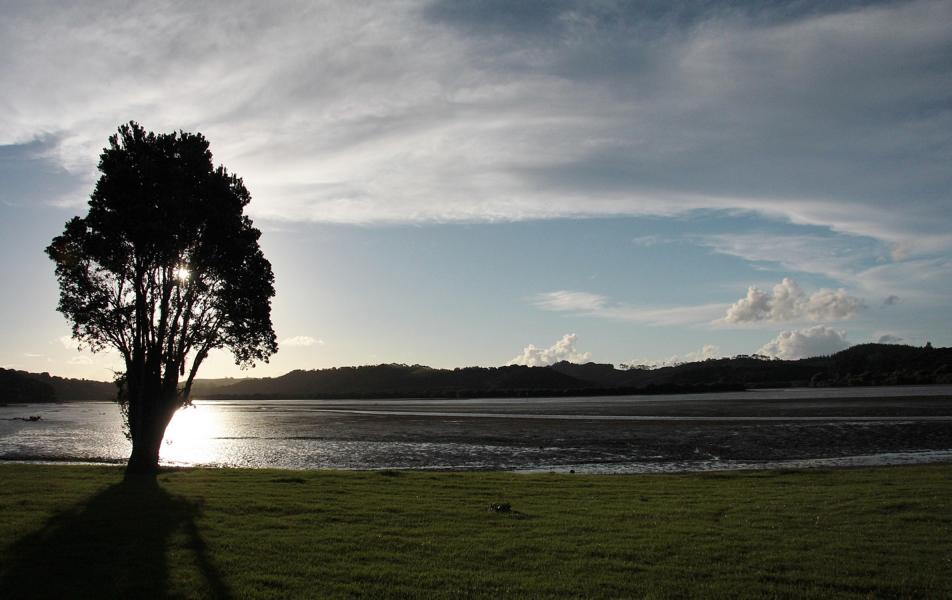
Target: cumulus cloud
564,349
888,338
706,352
68,342
301,341
818,340
788,302
407,111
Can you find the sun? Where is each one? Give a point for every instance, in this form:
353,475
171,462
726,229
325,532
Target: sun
191,435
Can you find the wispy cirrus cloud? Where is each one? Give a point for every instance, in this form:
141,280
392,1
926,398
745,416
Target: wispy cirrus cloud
837,258
439,111
567,300
595,305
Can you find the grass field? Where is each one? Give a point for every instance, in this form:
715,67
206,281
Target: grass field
78,532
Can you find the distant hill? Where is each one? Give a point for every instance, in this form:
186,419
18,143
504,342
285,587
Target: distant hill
866,364
20,386
395,380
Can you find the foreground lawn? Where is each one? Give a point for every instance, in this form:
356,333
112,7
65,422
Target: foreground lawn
78,532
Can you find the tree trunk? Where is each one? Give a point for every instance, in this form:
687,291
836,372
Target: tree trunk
147,438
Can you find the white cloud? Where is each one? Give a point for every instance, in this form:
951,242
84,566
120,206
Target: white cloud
361,112
595,305
788,302
818,340
676,315
82,359
851,260
913,280
565,300
706,352
833,257
648,241
68,342
888,338
564,349
302,341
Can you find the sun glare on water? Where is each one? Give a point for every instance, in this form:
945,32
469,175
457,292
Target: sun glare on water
191,436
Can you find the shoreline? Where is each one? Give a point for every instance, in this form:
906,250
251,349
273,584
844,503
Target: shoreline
648,467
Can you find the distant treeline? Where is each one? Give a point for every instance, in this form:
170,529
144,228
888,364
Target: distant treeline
866,364
20,386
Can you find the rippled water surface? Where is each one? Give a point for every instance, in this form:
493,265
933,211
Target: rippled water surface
769,428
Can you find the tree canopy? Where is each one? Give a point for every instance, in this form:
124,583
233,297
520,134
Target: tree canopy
165,267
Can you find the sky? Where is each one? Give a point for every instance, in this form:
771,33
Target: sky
458,183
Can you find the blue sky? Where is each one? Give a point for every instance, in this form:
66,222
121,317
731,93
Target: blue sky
461,183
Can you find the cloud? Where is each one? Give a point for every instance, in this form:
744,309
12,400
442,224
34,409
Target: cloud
647,241
836,257
818,340
360,112
68,342
677,315
564,349
565,300
788,302
889,339
892,300
855,261
82,359
706,352
302,341
595,305
928,279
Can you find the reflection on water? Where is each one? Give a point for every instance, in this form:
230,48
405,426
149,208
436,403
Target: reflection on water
521,434
191,433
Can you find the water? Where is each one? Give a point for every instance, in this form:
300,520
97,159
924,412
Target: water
624,434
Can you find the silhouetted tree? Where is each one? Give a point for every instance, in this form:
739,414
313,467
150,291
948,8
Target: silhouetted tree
165,267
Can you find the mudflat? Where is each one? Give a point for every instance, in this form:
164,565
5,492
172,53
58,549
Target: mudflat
596,430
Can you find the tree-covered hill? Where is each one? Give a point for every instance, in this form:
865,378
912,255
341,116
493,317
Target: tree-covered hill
20,386
866,364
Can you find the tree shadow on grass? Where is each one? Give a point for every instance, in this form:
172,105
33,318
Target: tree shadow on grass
115,545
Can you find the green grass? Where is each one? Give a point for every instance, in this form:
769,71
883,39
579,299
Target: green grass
78,532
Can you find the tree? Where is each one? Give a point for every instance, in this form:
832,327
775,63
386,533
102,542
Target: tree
165,267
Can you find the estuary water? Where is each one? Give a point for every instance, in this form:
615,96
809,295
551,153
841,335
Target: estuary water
801,427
